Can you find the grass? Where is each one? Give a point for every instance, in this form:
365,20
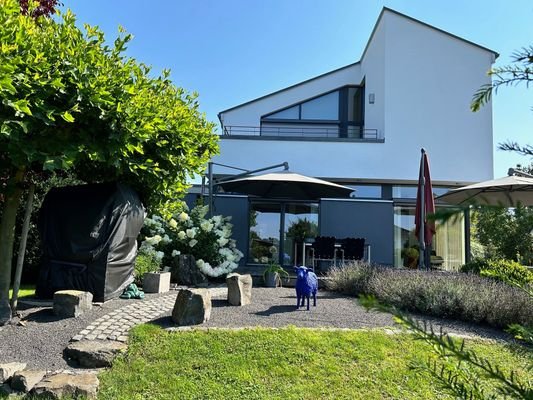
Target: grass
290,363
24,291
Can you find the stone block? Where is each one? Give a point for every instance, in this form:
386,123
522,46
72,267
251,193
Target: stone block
66,385
185,272
24,381
72,303
239,289
94,353
156,282
9,369
192,307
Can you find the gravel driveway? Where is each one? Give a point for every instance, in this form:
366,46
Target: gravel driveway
41,341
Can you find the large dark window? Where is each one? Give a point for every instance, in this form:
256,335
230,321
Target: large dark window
278,231
338,113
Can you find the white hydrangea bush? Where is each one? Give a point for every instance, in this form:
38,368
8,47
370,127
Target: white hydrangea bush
207,239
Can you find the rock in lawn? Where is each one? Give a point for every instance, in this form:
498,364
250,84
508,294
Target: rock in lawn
24,381
9,369
192,307
72,303
239,289
67,385
94,353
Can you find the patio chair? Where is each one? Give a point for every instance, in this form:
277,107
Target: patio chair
353,248
323,249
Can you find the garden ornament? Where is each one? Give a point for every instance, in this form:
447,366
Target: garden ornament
306,285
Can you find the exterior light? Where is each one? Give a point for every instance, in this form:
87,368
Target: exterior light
371,98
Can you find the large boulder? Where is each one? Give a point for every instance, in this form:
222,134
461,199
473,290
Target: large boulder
239,289
185,272
94,353
192,307
24,381
67,385
72,303
9,369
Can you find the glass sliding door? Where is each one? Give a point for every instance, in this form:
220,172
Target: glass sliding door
448,241
300,223
278,231
265,227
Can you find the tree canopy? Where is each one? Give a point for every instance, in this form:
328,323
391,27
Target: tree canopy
69,100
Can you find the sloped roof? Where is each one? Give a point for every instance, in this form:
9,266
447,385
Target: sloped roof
385,9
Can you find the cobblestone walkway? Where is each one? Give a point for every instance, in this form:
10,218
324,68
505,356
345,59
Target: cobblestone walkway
116,324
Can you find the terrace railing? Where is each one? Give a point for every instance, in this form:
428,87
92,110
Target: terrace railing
332,132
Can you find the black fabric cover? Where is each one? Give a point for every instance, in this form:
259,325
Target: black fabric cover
89,238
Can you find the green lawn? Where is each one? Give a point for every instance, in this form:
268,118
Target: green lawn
290,363
24,291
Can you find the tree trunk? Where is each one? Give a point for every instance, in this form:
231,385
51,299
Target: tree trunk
22,248
7,238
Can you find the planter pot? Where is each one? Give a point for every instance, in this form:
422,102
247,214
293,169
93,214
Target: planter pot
156,282
271,279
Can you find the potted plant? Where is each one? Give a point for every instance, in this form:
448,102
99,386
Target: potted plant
273,273
148,273
410,257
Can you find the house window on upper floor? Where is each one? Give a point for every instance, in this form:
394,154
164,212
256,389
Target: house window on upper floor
355,104
409,192
322,108
336,114
288,113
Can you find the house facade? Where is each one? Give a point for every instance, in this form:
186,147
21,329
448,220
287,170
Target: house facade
363,126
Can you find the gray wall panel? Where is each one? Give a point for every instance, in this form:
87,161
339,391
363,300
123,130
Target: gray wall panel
373,221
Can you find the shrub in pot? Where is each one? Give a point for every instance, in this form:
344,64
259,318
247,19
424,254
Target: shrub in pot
272,275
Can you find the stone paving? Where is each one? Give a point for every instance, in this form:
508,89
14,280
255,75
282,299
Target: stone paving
116,324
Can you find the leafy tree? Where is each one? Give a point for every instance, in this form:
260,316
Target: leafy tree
42,8
71,102
505,233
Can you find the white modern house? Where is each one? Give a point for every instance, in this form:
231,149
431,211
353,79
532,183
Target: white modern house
363,125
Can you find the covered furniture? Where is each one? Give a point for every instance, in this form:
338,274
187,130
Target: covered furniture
352,248
89,239
323,249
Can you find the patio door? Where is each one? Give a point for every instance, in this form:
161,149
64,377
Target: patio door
278,231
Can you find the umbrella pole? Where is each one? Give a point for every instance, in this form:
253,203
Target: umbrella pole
422,239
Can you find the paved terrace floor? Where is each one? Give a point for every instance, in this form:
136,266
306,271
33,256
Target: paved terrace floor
40,337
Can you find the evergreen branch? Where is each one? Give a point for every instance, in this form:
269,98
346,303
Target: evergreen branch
526,150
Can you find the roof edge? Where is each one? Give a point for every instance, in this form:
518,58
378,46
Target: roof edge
496,54
288,87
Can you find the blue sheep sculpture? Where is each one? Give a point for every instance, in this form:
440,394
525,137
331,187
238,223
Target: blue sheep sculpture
306,285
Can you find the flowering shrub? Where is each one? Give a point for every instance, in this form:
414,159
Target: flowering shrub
207,239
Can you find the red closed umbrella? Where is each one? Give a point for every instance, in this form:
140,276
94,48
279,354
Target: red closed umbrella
425,204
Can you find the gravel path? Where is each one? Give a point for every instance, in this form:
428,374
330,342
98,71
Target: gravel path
40,342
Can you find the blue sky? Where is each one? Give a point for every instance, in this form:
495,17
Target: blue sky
234,51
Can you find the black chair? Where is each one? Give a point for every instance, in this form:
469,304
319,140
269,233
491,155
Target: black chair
353,248
323,249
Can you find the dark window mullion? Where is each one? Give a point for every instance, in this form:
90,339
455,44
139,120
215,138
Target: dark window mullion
343,112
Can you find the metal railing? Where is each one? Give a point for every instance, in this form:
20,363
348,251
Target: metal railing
352,132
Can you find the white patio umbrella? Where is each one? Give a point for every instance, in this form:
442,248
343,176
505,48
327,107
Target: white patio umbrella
507,192
285,184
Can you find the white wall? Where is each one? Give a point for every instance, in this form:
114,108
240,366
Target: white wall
423,81
250,114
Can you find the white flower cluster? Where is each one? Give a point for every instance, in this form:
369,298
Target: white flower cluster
194,234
